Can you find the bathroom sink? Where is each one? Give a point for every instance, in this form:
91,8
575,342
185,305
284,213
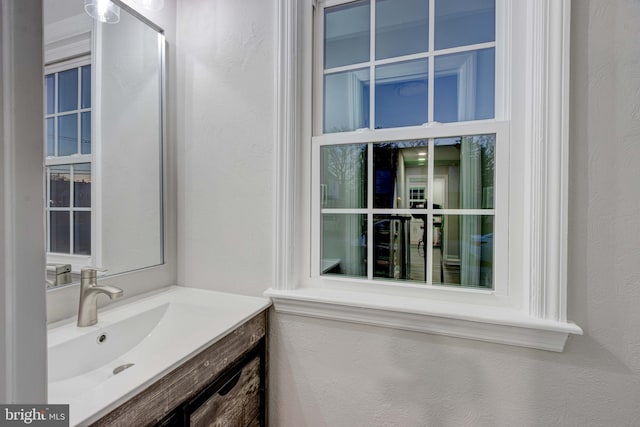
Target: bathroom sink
96,368
96,347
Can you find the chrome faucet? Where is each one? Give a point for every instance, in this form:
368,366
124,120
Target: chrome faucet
89,291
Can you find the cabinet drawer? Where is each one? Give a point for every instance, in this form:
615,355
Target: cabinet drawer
235,403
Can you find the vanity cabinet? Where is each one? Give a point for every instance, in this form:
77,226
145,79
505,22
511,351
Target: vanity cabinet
223,385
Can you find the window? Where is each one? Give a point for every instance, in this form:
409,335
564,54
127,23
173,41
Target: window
366,214
435,163
68,162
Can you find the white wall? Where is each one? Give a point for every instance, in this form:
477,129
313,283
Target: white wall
22,255
325,373
225,158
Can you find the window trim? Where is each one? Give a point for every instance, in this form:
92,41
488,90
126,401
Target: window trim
539,320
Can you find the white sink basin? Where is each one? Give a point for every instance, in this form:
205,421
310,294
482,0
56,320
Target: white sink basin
102,345
96,368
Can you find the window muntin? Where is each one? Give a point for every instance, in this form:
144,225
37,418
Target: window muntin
422,69
374,222
68,161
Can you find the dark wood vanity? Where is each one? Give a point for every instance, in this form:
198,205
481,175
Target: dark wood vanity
223,385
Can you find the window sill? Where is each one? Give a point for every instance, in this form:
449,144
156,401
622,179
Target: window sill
490,324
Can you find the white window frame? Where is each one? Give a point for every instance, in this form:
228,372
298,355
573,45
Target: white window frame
531,310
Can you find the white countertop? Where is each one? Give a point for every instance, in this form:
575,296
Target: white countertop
190,320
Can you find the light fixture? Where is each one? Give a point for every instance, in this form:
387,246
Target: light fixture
103,11
422,153
151,4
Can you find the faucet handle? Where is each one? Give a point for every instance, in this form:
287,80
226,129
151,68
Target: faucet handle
90,272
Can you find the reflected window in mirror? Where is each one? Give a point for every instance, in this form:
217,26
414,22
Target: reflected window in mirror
68,162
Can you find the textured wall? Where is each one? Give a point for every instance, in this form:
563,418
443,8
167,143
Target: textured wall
225,161
325,373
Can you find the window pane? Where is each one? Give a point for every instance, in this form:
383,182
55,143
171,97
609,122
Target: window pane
464,86
401,94
86,86
464,170
85,141
346,34
67,135
396,254
82,185
463,250
50,84
402,27
344,245
395,166
59,232
464,22
49,123
346,101
59,186
68,90
82,233
344,176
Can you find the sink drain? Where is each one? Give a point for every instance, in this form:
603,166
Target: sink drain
121,368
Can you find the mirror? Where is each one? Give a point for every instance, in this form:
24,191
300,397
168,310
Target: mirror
104,181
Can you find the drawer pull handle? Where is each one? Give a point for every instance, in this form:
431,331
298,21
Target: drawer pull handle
229,385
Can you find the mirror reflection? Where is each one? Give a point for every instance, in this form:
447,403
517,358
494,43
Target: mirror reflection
103,142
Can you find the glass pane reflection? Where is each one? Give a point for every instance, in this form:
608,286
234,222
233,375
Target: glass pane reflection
59,186
346,101
50,87
399,167
344,244
50,136
402,27
346,34
344,176
82,233
67,135
86,86
464,22
401,94
463,250
68,90
85,135
396,251
82,185
464,171
59,231
464,86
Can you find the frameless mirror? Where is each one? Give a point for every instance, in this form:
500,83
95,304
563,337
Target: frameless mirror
103,142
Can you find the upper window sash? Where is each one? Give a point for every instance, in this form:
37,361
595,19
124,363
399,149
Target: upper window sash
432,61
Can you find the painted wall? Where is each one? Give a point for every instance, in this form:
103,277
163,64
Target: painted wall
225,157
325,373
